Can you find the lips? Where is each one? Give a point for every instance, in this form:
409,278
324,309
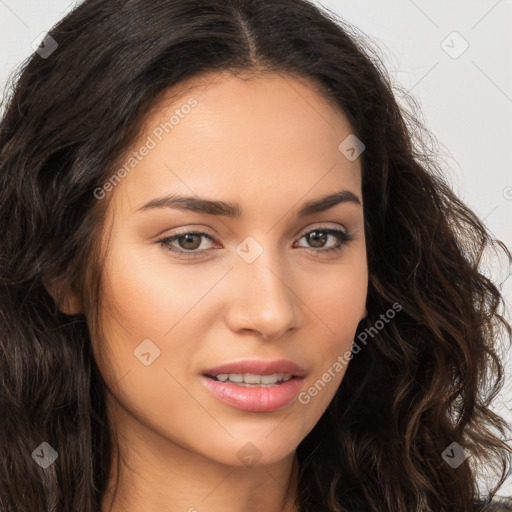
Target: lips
257,367
255,397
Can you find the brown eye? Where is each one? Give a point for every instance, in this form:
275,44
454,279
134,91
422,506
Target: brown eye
317,237
188,243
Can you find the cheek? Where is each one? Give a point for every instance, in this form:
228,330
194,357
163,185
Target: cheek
338,299
151,295
143,353
337,305
146,296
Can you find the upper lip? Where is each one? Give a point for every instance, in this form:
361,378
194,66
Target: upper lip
258,367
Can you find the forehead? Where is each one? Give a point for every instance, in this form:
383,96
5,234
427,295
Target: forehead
226,135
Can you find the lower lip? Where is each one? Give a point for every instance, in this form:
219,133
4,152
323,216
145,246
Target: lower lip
257,398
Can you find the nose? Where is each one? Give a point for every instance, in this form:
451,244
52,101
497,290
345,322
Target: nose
262,298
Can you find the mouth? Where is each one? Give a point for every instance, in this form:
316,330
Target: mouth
255,386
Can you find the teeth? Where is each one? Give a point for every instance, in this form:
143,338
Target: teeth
270,379
251,379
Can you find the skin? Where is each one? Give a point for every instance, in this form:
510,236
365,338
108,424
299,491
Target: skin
269,144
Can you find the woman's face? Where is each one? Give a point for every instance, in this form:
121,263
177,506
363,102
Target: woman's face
269,285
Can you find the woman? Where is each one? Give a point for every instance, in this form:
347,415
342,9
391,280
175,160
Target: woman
231,280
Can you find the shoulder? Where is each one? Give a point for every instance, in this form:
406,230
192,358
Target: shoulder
497,504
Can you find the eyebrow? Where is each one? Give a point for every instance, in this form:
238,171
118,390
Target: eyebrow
233,210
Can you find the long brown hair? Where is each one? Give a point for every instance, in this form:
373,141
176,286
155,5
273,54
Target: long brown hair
422,383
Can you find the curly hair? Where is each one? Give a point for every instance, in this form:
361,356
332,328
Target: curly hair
424,382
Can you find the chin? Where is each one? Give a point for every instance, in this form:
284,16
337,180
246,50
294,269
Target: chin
258,450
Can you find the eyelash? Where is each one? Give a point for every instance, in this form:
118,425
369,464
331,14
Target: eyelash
343,237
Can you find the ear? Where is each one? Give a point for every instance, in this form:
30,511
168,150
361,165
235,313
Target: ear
66,298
